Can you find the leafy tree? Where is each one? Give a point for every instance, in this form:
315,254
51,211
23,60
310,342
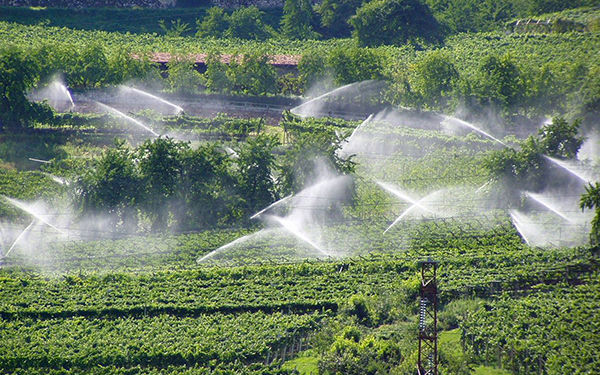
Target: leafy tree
247,23
90,68
203,190
296,22
435,79
214,24
17,75
311,68
519,170
122,66
183,77
216,78
160,167
545,91
254,75
393,22
354,64
256,162
112,187
177,29
560,139
300,164
498,82
471,15
335,15
591,200
589,93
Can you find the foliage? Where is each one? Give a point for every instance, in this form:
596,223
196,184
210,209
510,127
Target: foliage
246,23
253,75
498,82
296,22
435,79
312,68
471,16
308,156
534,332
256,162
17,75
350,354
183,78
335,15
177,29
526,169
113,187
214,23
160,168
394,22
591,200
559,139
354,65
216,79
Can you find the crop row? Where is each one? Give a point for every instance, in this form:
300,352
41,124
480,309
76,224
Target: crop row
295,287
158,341
551,332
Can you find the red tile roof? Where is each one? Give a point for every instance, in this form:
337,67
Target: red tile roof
200,58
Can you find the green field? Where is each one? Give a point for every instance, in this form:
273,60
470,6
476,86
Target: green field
198,224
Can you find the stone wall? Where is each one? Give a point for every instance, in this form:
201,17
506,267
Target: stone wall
138,3
246,3
89,3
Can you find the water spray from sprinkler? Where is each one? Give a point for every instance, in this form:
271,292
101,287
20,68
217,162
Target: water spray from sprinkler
272,205
178,109
448,119
128,118
21,235
293,230
547,204
21,206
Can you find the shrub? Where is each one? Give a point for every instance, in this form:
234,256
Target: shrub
214,24
18,73
393,22
254,75
183,77
247,23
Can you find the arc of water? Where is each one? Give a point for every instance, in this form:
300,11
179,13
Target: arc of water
285,224
60,180
282,200
66,92
295,109
402,195
471,126
131,119
566,167
517,223
417,204
362,124
483,186
538,198
177,108
23,208
229,245
19,238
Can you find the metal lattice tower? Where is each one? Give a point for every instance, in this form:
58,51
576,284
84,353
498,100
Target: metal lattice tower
428,351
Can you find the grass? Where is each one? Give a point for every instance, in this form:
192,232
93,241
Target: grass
485,370
306,364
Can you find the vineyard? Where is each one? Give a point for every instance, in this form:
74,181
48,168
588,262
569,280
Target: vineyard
239,217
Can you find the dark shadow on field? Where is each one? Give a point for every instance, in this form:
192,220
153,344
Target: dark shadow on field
16,149
137,21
